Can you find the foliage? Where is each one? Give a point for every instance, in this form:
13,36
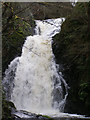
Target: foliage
14,32
73,52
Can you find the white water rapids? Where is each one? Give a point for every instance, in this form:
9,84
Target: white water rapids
35,84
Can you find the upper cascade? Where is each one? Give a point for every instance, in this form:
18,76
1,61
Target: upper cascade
49,27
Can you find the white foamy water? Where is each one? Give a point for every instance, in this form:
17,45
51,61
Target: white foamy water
37,85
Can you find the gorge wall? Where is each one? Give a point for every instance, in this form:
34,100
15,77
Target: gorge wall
71,48
42,10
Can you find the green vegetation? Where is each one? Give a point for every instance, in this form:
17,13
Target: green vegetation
44,116
49,118
6,110
73,52
7,107
15,30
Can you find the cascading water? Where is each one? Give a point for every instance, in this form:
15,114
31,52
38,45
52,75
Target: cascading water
33,80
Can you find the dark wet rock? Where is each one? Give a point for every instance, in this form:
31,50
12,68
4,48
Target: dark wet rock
44,10
24,115
71,50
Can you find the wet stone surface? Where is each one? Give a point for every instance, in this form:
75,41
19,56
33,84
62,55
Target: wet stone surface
24,115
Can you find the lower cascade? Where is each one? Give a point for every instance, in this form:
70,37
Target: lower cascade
33,81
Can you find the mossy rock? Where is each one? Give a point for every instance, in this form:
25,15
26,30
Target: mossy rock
48,117
6,110
44,116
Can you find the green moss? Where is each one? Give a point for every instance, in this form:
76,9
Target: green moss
45,116
49,118
84,91
6,110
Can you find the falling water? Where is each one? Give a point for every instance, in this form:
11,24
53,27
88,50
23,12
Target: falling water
35,83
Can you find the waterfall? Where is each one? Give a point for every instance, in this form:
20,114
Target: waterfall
33,81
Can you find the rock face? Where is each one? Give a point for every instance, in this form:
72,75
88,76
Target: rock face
42,10
71,48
